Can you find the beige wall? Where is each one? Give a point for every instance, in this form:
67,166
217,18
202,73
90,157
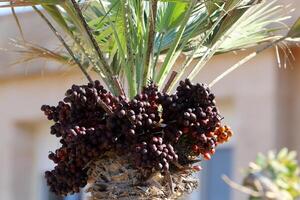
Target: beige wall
288,105
20,103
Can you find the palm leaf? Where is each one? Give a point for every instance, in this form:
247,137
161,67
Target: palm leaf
170,59
295,30
126,38
30,51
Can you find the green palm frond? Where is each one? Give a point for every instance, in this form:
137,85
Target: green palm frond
259,24
126,38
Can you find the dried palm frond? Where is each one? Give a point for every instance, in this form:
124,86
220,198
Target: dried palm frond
30,51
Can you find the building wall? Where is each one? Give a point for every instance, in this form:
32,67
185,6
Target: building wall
288,104
252,91
20,104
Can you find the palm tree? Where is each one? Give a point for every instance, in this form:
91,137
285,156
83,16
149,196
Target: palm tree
271,176
128,43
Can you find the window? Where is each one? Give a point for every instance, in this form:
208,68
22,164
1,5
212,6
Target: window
212,187
52,196
73,197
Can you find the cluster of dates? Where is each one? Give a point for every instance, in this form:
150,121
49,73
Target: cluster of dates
158,131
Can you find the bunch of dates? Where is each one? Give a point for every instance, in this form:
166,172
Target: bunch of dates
159,131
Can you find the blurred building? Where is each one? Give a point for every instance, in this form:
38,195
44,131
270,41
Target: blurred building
260,101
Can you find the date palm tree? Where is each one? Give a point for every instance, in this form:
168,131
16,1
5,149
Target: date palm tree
128,43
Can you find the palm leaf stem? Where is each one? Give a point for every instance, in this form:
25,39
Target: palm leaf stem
99,101
245,60
131,71
169,61
140,42
120,48
190,59
17,21
55,13
169,82
95,45
68,7
219,38
63,43
160,37
120,87
150,42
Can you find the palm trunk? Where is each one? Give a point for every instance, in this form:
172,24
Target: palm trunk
113,177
